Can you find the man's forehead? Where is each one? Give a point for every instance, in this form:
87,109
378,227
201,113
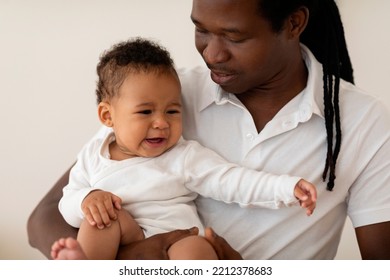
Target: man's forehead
224,8
228,17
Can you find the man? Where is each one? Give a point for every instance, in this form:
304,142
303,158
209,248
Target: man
271,105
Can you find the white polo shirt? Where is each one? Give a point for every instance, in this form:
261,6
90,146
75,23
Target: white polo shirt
294,142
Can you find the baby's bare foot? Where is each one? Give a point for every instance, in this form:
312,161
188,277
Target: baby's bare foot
67,249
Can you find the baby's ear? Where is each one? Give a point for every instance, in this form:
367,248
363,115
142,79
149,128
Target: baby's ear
104,113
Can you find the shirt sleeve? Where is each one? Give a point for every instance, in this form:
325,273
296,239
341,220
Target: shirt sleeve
369,196
211,176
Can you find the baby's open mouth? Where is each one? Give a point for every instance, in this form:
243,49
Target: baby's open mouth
155,140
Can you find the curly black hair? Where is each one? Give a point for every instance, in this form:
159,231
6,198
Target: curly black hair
132,56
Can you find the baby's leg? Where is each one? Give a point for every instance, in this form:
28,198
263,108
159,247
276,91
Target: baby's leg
103,244
192,248
130,230
94,243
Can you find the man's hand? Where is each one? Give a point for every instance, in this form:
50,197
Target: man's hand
221,247
155,247
99,208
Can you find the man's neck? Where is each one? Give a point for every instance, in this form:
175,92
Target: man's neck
264,104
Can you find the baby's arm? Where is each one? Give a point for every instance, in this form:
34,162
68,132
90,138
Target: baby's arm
212,176
99,208
74,205
306,193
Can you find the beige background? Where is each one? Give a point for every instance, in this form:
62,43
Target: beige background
48,53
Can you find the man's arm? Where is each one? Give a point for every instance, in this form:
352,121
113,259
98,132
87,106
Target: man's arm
374,241
45,224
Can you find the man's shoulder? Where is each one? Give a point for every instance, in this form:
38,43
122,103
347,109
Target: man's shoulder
189,72
194,78
198,90
355,100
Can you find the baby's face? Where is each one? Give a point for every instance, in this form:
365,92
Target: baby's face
147,114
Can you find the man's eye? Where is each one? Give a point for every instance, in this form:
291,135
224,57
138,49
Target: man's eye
201,31
236,40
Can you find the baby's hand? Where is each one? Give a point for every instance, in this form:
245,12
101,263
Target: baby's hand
306,193
99,208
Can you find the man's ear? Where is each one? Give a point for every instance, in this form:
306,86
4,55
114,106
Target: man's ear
104,113
297,22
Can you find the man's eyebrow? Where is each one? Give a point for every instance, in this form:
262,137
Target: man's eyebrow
194,20
232,30
226,29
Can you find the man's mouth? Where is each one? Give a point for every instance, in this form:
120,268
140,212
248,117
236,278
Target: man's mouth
222,78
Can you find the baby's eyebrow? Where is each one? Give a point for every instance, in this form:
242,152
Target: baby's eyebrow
178,104
144,104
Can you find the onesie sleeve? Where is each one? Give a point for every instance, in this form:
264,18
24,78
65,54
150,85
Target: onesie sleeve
212,176
78,187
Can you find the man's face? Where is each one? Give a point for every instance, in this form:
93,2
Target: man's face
238,45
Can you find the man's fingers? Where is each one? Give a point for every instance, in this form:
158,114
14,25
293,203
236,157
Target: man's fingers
176,235
221,246
155,247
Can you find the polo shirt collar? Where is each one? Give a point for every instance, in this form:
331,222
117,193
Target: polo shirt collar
215,95
314,91
312,94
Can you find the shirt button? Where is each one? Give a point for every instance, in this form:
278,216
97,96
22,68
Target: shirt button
287,124
250,136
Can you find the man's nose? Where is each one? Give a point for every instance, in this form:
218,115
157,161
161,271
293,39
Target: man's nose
215,51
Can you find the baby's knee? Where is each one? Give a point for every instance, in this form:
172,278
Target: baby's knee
192,248
130,230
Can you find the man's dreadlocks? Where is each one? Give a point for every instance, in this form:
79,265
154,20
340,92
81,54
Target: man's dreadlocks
324,36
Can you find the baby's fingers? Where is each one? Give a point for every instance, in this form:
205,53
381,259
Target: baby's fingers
89,217
102,216
300,194
310,208
94,216
117,202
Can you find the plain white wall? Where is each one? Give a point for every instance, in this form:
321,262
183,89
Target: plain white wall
48,54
